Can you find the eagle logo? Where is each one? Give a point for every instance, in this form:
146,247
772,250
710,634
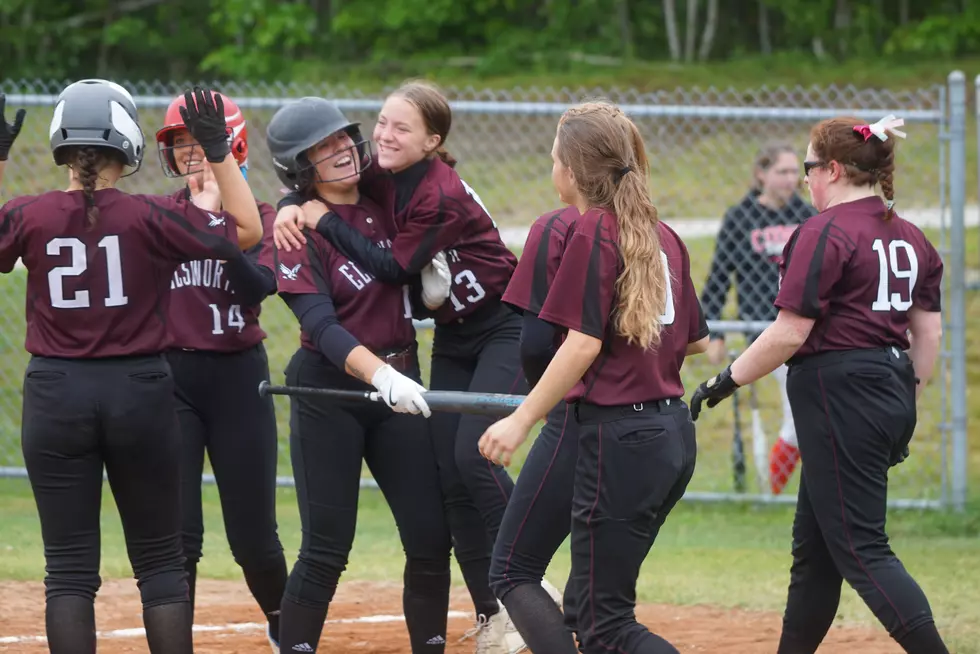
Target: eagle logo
289,273
215,221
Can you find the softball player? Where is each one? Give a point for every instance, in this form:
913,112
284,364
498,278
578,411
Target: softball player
356,333
98,393
855,279
476,345
623,295
538,515
750,243
217,357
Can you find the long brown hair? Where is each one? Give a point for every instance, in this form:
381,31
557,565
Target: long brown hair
606,155
866,162
436,113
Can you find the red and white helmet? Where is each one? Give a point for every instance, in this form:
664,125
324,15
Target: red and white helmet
172,122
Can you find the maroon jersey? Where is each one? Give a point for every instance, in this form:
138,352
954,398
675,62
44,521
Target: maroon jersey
104,290
378,315
583,298
539,262
445,214
204,311
857,276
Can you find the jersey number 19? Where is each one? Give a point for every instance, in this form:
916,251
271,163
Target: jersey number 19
887,301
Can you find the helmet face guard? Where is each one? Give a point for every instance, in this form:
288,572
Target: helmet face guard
168,153
360,152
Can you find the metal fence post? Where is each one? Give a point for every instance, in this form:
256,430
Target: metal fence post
957,287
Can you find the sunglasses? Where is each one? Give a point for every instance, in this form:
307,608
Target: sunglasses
810,165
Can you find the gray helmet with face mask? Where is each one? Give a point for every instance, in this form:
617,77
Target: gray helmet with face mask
298,126
96,112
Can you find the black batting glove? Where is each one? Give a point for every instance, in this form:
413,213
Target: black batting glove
8,132
204,117
714,391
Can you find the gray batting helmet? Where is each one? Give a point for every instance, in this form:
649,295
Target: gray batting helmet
100,113
298,126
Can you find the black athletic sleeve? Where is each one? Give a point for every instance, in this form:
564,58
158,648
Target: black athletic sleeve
292,199
318,318
537,347
379,262
252,282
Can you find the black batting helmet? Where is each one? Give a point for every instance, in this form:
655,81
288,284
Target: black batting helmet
99,113
297,127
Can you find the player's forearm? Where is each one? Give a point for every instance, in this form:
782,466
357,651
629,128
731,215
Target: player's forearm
252,282
925,341
379,262
362,363
572,359
774,347
237,200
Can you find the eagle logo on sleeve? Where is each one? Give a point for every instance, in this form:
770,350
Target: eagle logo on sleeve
215,221
289,273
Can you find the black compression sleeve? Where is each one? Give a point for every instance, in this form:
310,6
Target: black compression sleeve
537,347
293,199
318,318
252,282
379,262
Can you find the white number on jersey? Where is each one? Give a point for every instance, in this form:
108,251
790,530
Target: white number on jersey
473,194
668,317
79,263
476,291
886,300
235,318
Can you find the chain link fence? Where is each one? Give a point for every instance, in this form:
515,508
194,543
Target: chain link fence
708,182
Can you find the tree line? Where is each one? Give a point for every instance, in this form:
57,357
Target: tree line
281,39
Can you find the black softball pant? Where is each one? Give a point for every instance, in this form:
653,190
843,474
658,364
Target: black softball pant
83,416
220,412
855,414
537,521
634,464
328,442
481,354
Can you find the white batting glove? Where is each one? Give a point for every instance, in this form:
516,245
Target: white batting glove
436,281
399,392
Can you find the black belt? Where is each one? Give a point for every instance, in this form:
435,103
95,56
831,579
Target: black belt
586,412
402,360
887,354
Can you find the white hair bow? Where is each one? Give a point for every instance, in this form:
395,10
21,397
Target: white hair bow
887,125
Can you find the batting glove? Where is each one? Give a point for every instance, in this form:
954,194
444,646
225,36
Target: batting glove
714,391
204,117
399,392
8,132
436,281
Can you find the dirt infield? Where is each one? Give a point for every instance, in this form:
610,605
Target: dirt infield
365,618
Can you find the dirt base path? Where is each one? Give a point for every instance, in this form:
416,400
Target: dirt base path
366,618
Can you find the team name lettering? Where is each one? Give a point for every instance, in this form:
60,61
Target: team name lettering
354,275
771,240
206,273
